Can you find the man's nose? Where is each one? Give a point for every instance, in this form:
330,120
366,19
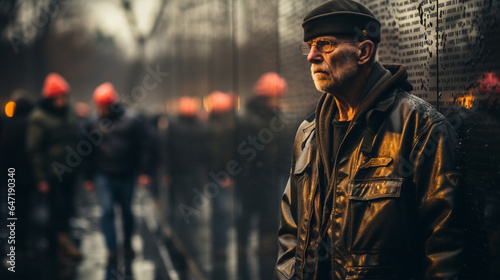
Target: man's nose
314,56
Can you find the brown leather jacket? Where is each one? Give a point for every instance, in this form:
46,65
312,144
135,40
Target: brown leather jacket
395,212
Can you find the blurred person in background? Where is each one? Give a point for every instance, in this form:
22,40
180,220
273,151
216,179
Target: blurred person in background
82,111
186,159
51,142
262,151
116,161
220,152
13,155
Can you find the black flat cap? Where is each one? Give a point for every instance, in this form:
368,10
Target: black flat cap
341,17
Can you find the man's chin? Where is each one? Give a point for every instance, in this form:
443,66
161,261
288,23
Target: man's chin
322,89
322,86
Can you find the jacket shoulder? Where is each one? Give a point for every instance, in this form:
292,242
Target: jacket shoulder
411,105
38,116
305,128
303,134
418,115
36,113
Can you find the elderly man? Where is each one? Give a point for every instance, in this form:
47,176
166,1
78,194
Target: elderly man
372,192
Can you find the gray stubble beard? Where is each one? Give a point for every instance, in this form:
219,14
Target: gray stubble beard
338,82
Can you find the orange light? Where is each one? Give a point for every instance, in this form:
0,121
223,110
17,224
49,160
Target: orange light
467,100
9,109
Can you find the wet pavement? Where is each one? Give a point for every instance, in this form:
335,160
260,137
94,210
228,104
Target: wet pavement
160,252
152,260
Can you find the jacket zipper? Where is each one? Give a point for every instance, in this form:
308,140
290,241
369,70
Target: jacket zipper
334,175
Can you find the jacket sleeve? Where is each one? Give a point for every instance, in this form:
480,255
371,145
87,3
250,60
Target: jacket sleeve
287,234
439,202
35,146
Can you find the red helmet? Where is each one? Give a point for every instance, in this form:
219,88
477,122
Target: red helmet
270,84
105,95
220,102
55,86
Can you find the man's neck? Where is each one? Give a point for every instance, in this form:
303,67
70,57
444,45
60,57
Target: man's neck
345,111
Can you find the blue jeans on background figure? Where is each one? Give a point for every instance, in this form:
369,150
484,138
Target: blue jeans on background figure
111,190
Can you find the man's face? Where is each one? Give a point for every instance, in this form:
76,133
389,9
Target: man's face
60,101
103,110
273,103
331,71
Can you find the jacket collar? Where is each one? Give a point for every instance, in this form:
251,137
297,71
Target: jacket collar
46,104
383,96
378,89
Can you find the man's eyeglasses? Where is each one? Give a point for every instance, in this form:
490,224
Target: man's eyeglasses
323,46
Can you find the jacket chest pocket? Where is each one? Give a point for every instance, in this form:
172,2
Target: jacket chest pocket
376,215
380,167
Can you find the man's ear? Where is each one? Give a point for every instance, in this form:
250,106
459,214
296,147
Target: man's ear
366,50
